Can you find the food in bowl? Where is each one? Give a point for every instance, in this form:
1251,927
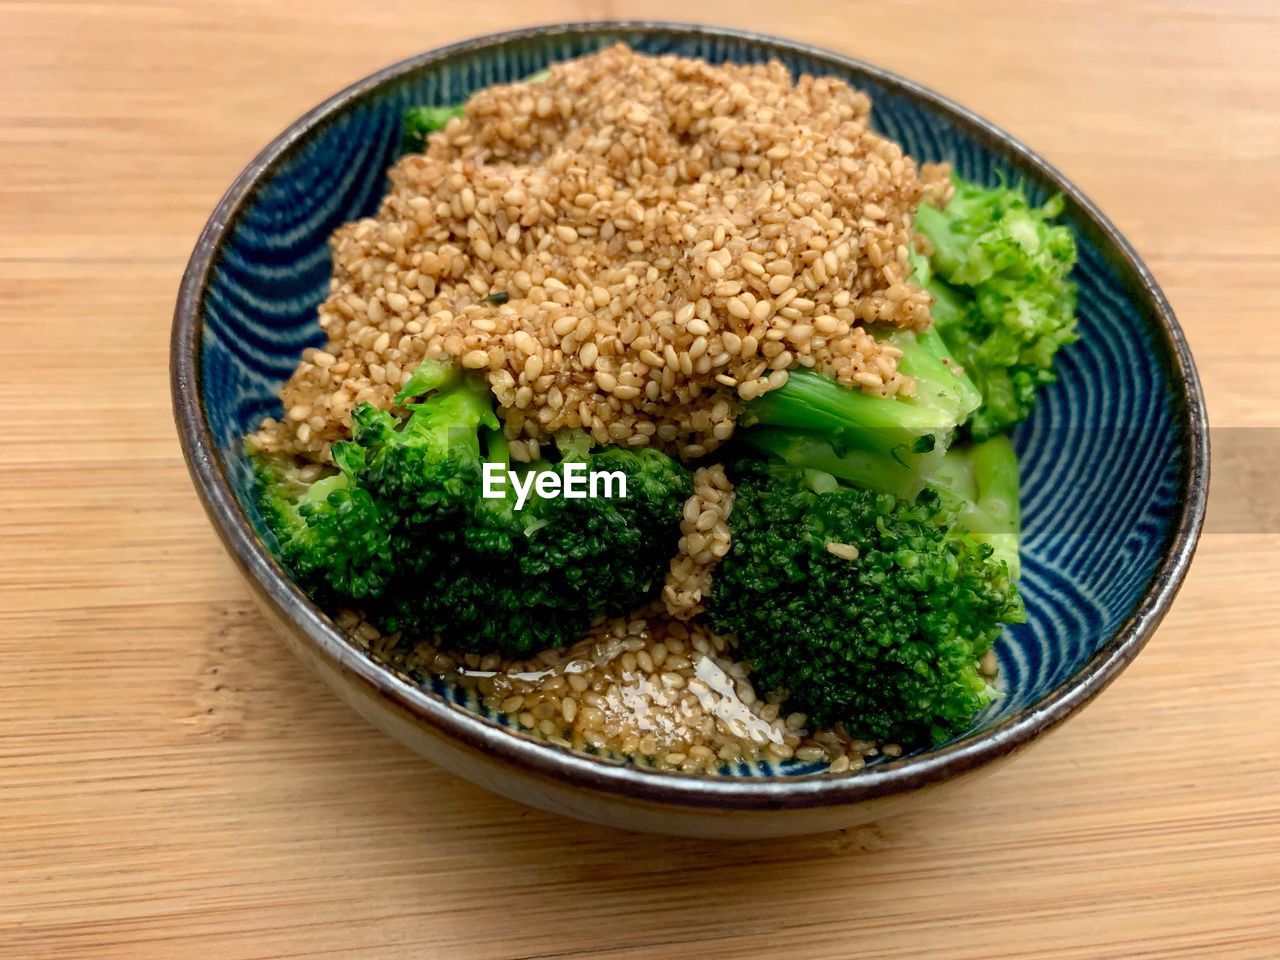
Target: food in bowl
717,292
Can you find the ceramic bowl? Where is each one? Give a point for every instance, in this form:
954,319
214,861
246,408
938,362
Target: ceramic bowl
1114,459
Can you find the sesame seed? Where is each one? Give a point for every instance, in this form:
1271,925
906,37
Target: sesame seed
779,219
845,551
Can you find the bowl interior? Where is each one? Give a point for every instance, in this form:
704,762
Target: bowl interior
1103,456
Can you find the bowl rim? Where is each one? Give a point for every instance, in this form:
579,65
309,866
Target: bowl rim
617,778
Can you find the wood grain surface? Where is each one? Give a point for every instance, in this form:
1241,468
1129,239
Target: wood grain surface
172,786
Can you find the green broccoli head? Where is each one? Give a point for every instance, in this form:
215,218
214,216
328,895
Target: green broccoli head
867,609
613,552
536,577
425,468
493,573
1005,303
331,534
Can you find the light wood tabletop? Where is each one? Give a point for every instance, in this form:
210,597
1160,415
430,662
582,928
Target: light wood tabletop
173,785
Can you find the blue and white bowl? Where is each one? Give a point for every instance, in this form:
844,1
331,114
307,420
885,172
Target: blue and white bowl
1114,458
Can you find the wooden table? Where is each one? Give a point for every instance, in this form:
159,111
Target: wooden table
172,786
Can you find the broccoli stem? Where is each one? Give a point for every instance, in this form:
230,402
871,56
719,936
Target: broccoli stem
427,376
890,444
949,305
861,468
984,479
497,449
940,384
811,401
949,308
950,244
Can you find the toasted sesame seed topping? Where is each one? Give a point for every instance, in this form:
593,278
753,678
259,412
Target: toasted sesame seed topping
704,541
619,246
845,551
658,691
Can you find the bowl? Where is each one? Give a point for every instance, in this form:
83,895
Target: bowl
1114,459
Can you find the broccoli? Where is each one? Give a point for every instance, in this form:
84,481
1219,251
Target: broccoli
608,553
980,481
1004,301
523,580
426,468
329,532
873,562
420,121
478,571
867,609
813,422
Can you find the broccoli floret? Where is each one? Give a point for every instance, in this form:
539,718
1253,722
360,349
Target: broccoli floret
331,534
889,444
610,553
536,577
866,608
489,573
425,469
1005,303
418,122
